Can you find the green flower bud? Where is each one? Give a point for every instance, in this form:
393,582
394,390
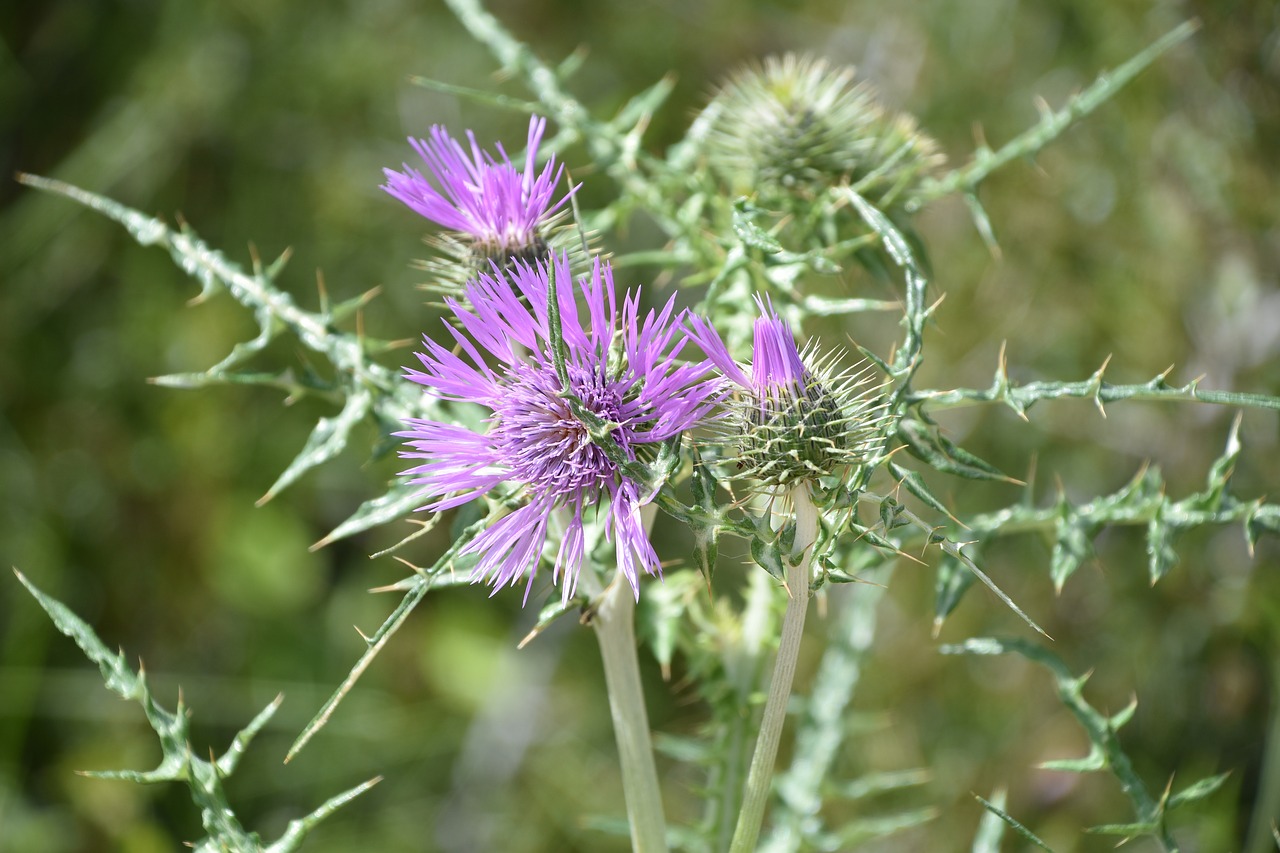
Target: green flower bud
793,128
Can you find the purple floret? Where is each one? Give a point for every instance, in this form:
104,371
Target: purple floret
776,367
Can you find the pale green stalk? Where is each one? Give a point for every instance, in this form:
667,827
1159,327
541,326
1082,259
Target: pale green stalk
760,777
614,624
823,728
615,630
742,666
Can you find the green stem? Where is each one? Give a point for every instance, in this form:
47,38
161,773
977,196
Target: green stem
614,623
760,776
1052,123
823,728
1020,398
605,143
1101,729
743,663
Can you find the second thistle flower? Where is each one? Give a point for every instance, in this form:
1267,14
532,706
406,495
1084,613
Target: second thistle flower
797,417
493,212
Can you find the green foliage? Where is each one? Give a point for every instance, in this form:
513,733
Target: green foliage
1142,502
990,839
178,763
1053,123
366,389
1105,752
941,454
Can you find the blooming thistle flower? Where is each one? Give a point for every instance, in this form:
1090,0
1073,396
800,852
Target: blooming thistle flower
797,418
626,375
495,211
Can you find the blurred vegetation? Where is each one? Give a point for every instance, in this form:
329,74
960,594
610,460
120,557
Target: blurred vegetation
1150,233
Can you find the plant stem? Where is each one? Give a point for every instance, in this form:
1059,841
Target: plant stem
823,727
614,622
760,776
743,664
1053,123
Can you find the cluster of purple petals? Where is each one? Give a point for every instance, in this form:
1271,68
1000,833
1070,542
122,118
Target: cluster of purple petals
481,196
500,358
777,372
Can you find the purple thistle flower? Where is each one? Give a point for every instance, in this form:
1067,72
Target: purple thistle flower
626,374
480,196
797,418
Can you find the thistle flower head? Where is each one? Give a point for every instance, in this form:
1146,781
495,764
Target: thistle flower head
494,210
793,127
619,369
797,416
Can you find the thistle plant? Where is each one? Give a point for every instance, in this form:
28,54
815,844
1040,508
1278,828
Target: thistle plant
550,422
796,426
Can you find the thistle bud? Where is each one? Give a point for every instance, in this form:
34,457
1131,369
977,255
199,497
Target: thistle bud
793,127
797,416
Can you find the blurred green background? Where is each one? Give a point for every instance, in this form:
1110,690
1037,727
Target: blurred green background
1149,233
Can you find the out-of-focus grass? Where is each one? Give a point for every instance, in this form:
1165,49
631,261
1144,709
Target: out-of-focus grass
1149,232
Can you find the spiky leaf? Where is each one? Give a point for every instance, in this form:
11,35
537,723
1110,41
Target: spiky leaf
930,446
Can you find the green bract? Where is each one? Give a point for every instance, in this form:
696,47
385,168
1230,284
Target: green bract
791,128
